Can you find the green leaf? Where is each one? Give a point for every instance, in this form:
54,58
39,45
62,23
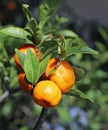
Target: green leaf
21,57
79,72
80,49
71,38
43,65
26,11
59,20
74,44
31,67
49,47
77,93
13,77
32,26
3,53
16,32
67,33
46,10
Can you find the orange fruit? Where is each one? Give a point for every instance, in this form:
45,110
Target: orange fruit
46,94
63,74
24,85
11,5
24,49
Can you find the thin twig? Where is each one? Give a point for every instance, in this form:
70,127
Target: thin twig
41,119
4,96
7,93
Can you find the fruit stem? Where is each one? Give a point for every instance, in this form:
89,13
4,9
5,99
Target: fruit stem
40,119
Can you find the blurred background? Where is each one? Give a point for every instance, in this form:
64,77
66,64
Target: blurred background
87,10
89,20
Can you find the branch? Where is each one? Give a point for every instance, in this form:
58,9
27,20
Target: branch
7,93
41,119
4,96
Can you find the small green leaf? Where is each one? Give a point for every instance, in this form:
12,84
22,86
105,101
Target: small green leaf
88,50
43,65
60,20
21,57
77,93
13,77
31,67
46,10
16,32
79,72
80,49
14,82
3,53
32,26
26,11
67,33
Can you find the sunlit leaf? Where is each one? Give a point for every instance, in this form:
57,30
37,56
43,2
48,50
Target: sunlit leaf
16,32
31,67
67,33
77,93
80,49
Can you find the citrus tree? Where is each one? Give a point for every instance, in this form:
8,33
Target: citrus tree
36,59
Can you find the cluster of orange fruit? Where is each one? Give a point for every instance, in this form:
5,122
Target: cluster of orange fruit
58,78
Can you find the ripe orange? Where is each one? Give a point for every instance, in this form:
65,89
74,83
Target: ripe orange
63,74
24,49
11,5
46,93
24,85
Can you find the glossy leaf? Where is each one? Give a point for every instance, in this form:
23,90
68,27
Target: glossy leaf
16,32
77,93
80,49
31,67
67,33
